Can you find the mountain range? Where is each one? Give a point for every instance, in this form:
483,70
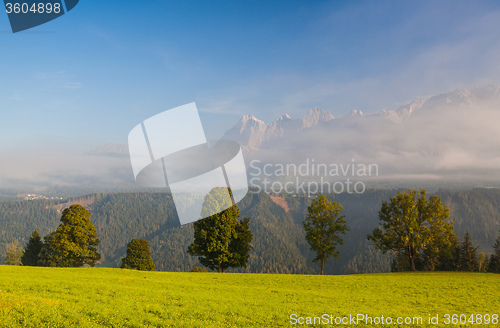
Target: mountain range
253,133
444,137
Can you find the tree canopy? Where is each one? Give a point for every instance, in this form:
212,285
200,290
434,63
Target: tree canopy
14,253
220,240
324,226
74,243
138,256
32,251
468,259
410,223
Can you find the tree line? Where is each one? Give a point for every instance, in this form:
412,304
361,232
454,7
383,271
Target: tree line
413,229
419,233
417,230
220,241
74,244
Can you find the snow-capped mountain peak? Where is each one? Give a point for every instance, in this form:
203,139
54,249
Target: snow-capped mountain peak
315,116
284,117
252,133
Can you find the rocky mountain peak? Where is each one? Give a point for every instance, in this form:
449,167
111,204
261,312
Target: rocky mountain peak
284,117
356,112
315,116
247,118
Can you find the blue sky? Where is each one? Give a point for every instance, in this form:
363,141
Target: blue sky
90,76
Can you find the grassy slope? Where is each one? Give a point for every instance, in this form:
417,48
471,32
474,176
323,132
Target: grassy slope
48,297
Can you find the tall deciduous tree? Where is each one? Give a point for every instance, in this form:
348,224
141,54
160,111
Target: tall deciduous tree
410,223
324,226
32,251
13,254
220,240
138,256
74,243
494,262
468,255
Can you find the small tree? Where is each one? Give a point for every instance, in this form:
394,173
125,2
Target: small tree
483,262
410,223
220,240
198,269
494,262
14,253
138,256
468,255
74,243
449,259
324,226
32,250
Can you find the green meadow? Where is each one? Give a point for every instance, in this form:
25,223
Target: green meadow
97,297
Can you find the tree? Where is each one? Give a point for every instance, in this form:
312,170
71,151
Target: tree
138,256
468,255
494,262
410,223
220,240
440,248
449,257
74,243
32,251
399,262
483,262
324,226
198,269
14,253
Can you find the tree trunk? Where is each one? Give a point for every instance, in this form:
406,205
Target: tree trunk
412,258
322,266
220,269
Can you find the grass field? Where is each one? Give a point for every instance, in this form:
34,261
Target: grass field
54,297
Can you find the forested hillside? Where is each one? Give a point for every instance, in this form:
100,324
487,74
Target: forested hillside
279,243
